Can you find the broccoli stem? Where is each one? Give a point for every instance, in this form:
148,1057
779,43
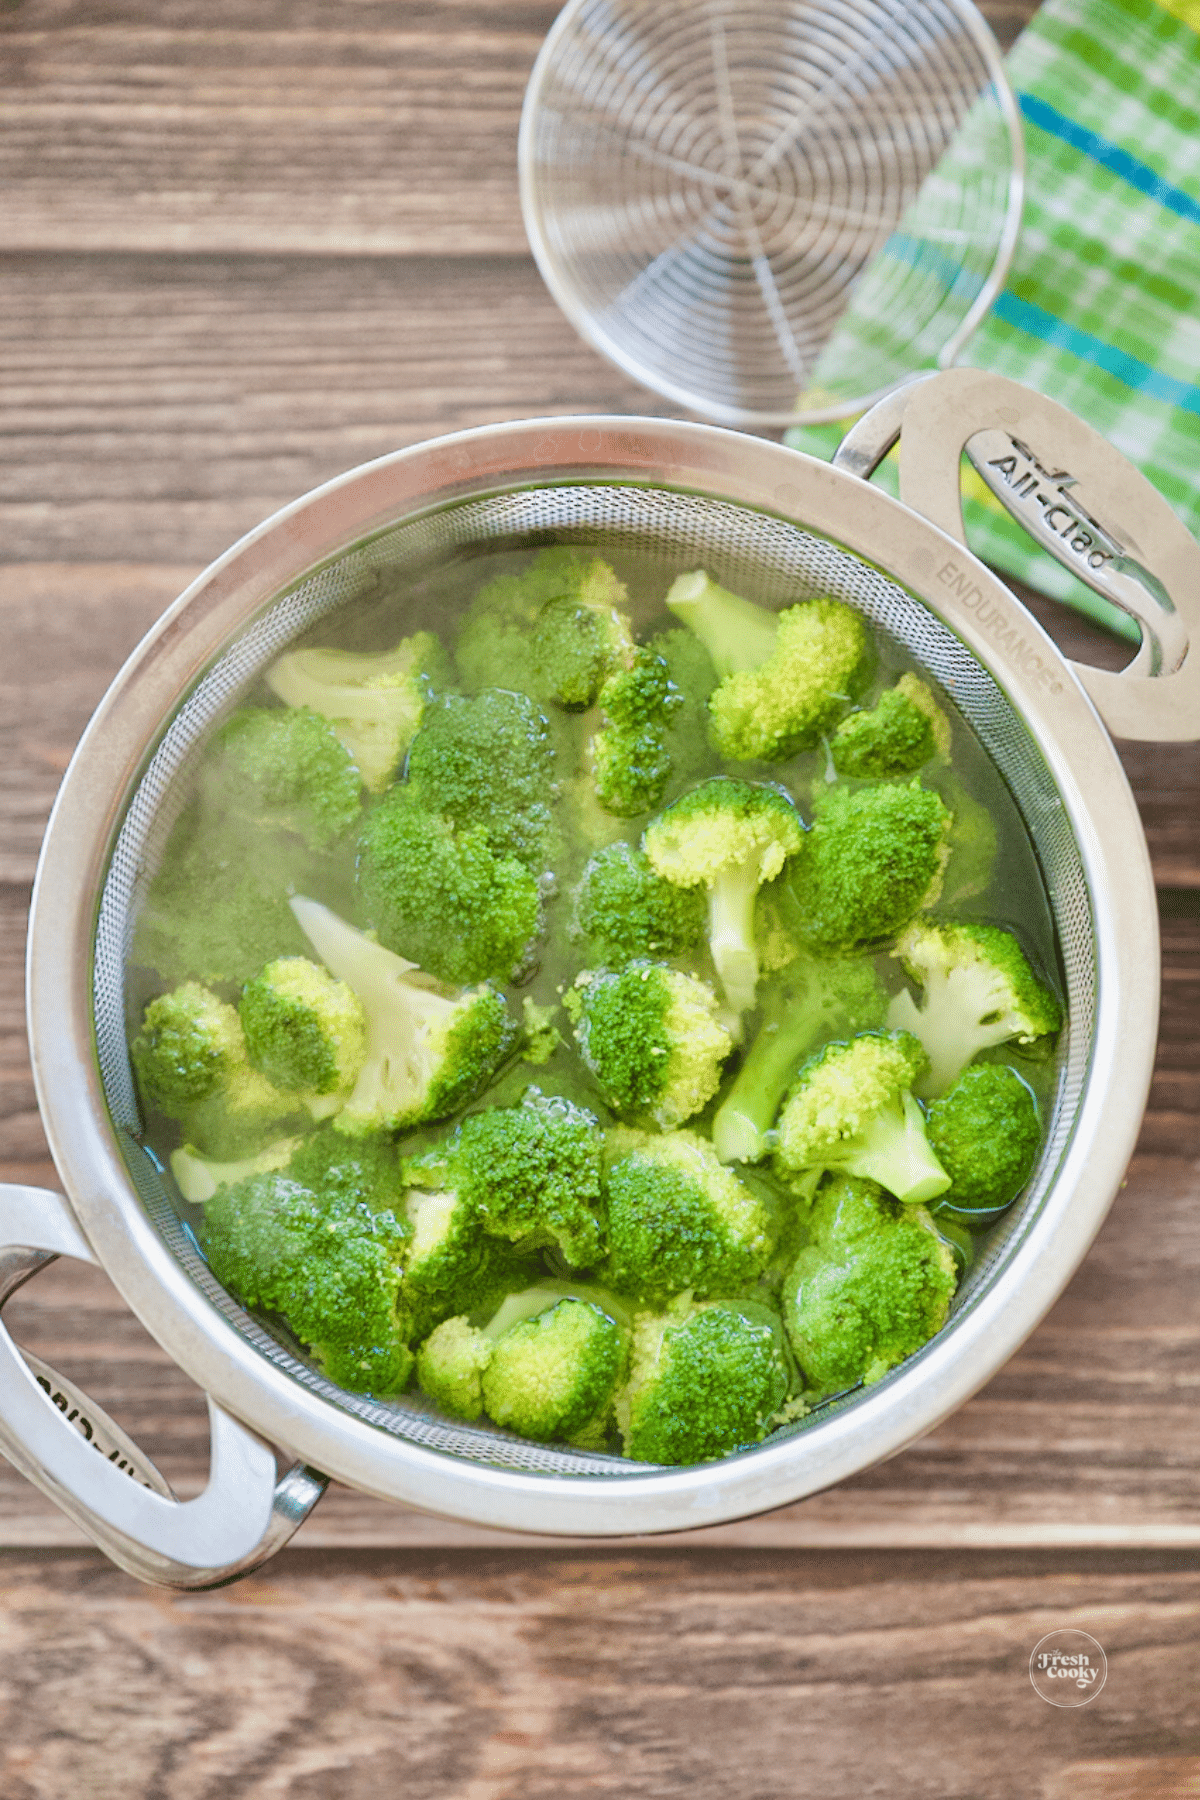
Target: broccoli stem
737,634
748,1111
731,933
895,1152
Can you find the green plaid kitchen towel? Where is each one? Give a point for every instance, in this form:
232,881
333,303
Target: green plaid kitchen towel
1101,309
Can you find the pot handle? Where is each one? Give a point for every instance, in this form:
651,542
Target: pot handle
1080,500
70,1449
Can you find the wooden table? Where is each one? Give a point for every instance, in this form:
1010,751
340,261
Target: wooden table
246,246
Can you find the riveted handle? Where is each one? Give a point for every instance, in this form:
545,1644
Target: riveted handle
1081,501
70,1449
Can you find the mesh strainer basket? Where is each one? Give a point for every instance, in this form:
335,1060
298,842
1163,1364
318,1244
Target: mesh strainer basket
708,186
771,523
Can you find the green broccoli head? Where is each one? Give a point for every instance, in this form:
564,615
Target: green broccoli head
728,837
529,1173
191,1063
217,909
442,898
873,858
815,999
425,1049
453,1266
693,676
328,1262
553,1374
282,769
978,989
871,1285
630,756
851,1109
521,630
303,1028
450,1366
705,1379
487,765
677,1219
624,910
653,1038
971,846
786,676
373,701
904,729
986,1133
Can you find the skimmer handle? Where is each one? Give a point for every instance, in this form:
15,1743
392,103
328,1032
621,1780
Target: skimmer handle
70,1449
1080,500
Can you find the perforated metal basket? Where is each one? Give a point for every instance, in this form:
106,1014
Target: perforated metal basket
772,524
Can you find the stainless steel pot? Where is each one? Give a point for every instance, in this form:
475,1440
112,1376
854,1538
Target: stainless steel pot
780,524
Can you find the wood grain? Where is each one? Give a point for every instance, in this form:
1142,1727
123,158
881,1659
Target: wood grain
518,1676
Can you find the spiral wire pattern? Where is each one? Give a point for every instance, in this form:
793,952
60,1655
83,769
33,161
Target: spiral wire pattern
704,183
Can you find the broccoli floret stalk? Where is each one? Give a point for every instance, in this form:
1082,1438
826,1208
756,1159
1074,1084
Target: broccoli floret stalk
705,1379
653,1038
786,676
487,765
373,702
985,1132
304,1029
678,1219
321,1254
851,1109
198,1177
904,729
727,836
281,769
191,1063
630,757
624,910
427,1051
529,1173
521,631
442,899
871,1285
815,1000
978,989
873,858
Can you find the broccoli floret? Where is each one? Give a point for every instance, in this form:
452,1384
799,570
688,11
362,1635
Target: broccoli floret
623,909
498,639
677,1219
327,1261
653,1038
972,843
540,1036
691,670
442,898
872,1284
729,837
905,728
851,1109
978,989
874,857
427,1050
816,1000
450,1366
303,1028
985,1132
191,1062
553,1375
581,635
630,758
786,676
487,765
373,701
198,1177
282,769
705,1379
217,909
529,1173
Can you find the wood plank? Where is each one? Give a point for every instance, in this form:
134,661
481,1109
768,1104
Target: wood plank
1087,1436
637,1674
